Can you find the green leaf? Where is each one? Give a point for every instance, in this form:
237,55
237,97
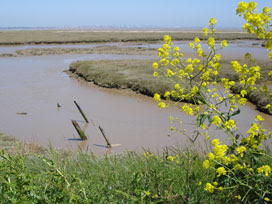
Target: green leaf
235,113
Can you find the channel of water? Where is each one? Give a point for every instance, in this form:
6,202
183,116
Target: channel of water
36,84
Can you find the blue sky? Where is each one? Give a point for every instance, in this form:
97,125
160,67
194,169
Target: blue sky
120,13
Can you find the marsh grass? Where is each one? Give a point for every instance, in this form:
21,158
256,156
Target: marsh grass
170,177
122,74
95,50
137,76
17,37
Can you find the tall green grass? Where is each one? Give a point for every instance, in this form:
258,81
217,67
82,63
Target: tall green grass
171,177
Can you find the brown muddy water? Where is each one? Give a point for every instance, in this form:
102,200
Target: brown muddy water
34,86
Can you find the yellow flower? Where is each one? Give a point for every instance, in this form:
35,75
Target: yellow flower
211,42
206,164
155,74
238,167
236,66
161,105
210,156
166,94
155,65
157,97
229,124
197,109
147,193
194,90
243,93
259,118
177,86
170,158
220,150
242,101
189,68
224,44
217,57
241,150
233,158
146,154
212,21
242,6
238,197
264,169
215,142
220,188
209,187
200,52
189,60
187,109
216,120
221,171
266,199
197,40
167,39
176,49
195,61
170,73
191,45
205,31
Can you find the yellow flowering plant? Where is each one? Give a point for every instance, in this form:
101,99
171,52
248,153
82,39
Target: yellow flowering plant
240,167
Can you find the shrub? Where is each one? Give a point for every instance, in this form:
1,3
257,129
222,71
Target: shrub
242,169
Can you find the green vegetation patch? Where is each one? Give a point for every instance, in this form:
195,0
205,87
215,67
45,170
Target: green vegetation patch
137,76
82,178
122,74
94,50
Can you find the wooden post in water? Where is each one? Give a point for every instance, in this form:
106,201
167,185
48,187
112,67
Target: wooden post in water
105,137
79,130
83,115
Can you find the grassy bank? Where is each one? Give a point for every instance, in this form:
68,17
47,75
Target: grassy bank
18,37
172,177
137,76
11,145
122,74
94,50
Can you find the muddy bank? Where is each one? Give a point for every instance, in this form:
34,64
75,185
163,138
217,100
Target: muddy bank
11,145
122,74
257,97
94,50
137,76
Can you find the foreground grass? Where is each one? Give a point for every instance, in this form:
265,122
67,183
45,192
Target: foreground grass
124,178
137,76
17,37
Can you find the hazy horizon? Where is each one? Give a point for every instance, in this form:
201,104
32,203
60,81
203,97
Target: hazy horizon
120,13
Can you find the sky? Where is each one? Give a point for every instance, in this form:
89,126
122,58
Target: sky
121,13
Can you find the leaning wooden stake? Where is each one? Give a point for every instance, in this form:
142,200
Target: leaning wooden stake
79,130
105,137
83,115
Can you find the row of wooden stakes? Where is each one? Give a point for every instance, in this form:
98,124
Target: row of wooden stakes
81,133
